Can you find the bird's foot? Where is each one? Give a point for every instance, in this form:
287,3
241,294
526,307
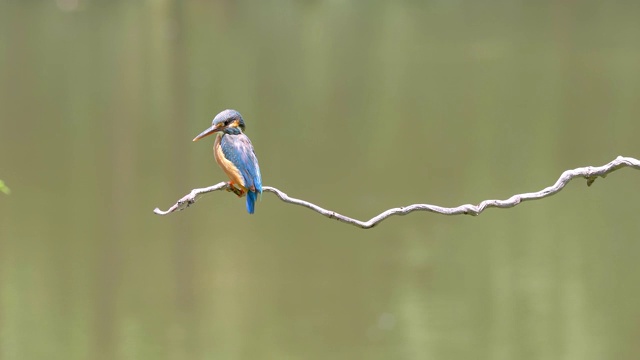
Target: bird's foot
235,190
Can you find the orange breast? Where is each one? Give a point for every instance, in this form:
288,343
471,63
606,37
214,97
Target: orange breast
227,166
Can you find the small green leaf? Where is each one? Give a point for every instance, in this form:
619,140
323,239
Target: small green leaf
4,188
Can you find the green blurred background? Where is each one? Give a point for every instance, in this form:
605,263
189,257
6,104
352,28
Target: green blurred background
357,106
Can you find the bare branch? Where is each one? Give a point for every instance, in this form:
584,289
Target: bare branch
590,173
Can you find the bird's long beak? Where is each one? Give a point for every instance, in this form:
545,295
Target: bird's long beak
211,130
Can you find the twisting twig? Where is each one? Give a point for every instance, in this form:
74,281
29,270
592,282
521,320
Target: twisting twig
590,173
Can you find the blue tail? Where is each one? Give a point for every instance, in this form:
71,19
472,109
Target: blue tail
252,196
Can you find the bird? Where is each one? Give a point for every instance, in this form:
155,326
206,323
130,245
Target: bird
234,153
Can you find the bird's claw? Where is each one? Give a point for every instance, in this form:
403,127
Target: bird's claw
235,190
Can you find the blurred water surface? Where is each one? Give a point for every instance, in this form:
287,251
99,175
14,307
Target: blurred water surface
356,106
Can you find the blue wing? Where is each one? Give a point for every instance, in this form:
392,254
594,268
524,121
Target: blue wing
239,150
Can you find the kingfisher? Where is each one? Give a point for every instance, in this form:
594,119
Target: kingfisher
234,153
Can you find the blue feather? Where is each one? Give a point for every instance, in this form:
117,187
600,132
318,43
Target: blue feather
239,150
251,201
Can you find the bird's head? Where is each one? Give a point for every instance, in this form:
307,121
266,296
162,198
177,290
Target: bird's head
228,121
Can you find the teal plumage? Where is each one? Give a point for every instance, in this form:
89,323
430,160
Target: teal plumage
239,151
